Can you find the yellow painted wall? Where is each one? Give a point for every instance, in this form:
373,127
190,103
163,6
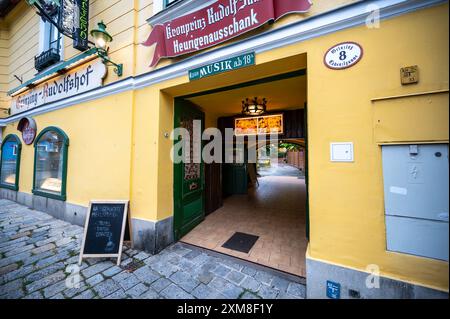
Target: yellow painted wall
4,55
124,133
99,150
347,228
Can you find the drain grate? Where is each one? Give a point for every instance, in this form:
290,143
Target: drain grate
241,242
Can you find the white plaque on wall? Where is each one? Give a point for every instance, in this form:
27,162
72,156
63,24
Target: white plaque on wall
342,152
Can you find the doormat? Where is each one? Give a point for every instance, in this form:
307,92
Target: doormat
241,242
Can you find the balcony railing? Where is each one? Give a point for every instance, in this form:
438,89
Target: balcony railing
46,59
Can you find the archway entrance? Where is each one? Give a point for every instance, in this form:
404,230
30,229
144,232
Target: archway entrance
256,211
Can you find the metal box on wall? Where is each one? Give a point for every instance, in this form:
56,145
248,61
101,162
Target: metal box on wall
416,186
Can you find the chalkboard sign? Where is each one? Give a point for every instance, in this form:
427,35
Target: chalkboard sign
106,225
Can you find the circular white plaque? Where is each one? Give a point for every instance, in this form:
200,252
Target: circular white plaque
343,55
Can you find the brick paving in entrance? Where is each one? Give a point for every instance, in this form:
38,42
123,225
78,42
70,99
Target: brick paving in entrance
275,211
38,255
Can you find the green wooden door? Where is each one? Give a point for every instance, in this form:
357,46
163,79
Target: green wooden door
189,185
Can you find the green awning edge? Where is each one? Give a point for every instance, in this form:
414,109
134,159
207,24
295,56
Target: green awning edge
55,69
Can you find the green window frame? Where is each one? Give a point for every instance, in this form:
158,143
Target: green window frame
15,138
168,3
65,150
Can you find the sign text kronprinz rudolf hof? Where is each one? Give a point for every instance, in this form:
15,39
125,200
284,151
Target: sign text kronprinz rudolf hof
84,79
217,23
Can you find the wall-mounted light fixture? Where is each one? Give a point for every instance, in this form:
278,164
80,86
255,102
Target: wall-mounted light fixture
101,39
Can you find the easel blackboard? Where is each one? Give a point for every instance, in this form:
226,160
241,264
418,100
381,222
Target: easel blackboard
106,225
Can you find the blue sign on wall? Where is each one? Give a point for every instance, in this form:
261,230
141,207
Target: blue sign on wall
333,290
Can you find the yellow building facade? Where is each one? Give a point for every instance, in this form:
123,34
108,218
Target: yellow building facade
118,144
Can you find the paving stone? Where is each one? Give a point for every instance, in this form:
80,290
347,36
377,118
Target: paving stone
28,229
141,256
13,259
33,259
40,231
175,292
231,264
201,259
297,290
34,240
8,269
92,281
184,280
45,282
34,295
249,271
146,275
14,294
280,283
164,269
119,294
205,277
264,277
251,284
22,234
43,248
95,269
192,254
63,241
52,259
266,292
221,271
72,260
19,273
112,271
55,289
47,241
235,277
225,287
160,284
126,280
87,294
44,272
208,266
106,288
150,294
186,265
58,296
131,252
11,286
287,296
16,249
249,295
205,292
71,292
12,242
137,290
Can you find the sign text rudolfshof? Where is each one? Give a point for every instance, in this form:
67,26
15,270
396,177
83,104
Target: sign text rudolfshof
83,79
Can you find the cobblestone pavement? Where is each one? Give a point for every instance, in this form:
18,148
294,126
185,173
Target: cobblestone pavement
39,254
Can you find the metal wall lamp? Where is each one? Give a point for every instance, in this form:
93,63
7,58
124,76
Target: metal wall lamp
101,39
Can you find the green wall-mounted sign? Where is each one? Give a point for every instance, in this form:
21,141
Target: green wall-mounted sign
230,64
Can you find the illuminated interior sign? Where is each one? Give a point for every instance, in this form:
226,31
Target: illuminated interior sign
260,125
